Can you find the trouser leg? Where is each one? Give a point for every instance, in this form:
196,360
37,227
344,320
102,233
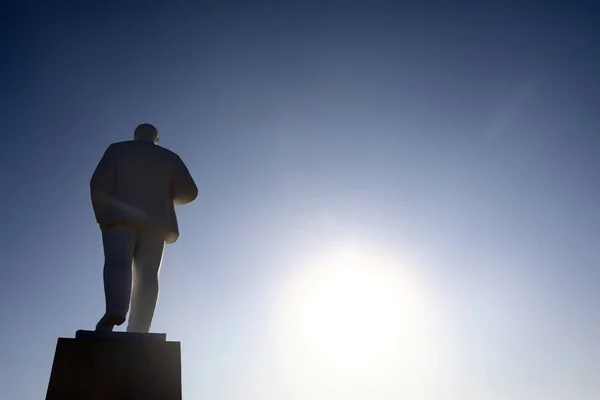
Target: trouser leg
146,267
119,245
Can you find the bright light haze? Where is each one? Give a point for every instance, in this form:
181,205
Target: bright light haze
395,202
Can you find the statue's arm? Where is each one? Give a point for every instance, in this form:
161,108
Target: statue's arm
102,182
183,187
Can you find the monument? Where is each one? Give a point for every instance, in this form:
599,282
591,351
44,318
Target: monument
134,191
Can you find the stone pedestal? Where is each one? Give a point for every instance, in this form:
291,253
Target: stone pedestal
115,366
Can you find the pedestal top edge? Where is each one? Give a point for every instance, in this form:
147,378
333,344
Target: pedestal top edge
84,334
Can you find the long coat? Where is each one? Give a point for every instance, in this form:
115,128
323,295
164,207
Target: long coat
139,183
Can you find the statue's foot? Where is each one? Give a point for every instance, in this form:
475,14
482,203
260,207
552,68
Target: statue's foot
108,322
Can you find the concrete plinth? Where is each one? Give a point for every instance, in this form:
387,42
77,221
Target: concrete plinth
115,366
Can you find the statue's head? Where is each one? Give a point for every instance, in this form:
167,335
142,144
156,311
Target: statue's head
146,132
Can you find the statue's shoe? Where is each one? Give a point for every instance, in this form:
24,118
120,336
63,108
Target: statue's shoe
108,322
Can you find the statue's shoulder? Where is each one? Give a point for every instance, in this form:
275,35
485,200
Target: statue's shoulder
168,153
119,145
130,145
134,146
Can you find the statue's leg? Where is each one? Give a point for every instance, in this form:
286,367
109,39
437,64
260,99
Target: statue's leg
119,244
147,259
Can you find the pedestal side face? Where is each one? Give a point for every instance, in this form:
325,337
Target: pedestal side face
115,369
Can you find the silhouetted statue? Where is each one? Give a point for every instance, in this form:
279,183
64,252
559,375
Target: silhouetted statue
134,190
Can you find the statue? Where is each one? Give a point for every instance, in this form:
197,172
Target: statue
134,190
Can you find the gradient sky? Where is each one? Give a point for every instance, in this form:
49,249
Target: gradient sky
462,137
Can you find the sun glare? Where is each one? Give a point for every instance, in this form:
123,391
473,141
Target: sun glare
349,315
351,311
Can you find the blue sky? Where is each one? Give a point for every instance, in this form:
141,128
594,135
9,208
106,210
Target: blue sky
459,142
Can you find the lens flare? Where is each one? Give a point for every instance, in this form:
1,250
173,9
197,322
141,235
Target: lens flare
352,311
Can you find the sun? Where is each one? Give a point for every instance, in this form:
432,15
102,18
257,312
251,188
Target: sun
351,311
349,316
